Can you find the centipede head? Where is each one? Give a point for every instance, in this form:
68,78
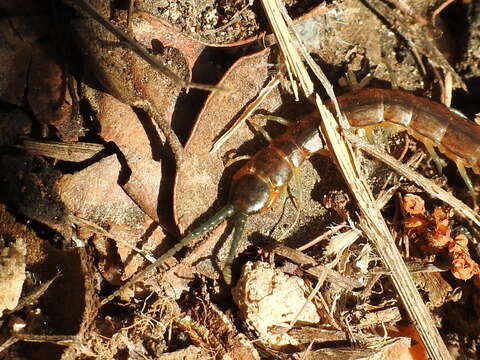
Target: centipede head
250,194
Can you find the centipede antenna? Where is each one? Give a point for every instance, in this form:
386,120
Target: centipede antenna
240,220
224,213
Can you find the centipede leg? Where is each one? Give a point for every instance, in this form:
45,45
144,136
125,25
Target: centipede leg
297,201
240,220
253,123
353,82
297,198
369,134
261,130
466,179
439,163
277,119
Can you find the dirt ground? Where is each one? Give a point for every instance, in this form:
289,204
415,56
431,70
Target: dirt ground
107,161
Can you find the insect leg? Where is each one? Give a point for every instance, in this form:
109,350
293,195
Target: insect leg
253,123
439,163
467,180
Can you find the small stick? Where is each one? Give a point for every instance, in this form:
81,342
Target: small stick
138,48
322,237
315,269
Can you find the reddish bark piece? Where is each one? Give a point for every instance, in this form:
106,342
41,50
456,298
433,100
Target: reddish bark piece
138,142
49,98
105,203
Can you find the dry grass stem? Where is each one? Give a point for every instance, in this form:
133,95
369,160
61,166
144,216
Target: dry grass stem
272,84
296,69
376,230
75,152
324,236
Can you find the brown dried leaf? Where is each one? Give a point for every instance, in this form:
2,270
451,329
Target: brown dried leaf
126,76
147,27
142,149
104,203
15,55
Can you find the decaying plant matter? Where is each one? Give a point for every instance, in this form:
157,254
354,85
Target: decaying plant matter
112,153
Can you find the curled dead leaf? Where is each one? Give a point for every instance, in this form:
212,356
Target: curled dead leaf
413,204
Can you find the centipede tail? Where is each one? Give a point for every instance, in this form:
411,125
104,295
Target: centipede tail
222,214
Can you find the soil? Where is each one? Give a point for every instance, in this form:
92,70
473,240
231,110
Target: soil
92,189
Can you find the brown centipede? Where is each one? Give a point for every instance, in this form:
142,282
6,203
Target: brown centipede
259,182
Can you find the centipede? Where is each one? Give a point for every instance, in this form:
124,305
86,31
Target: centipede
257,185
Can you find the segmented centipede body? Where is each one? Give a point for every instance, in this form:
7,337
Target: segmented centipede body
429,122
259,182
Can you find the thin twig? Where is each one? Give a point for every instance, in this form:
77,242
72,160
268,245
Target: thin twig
315,269
138,48
64,340
7,343
101,231
376,230
35,294
247,112
308,300
438,10
327,234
